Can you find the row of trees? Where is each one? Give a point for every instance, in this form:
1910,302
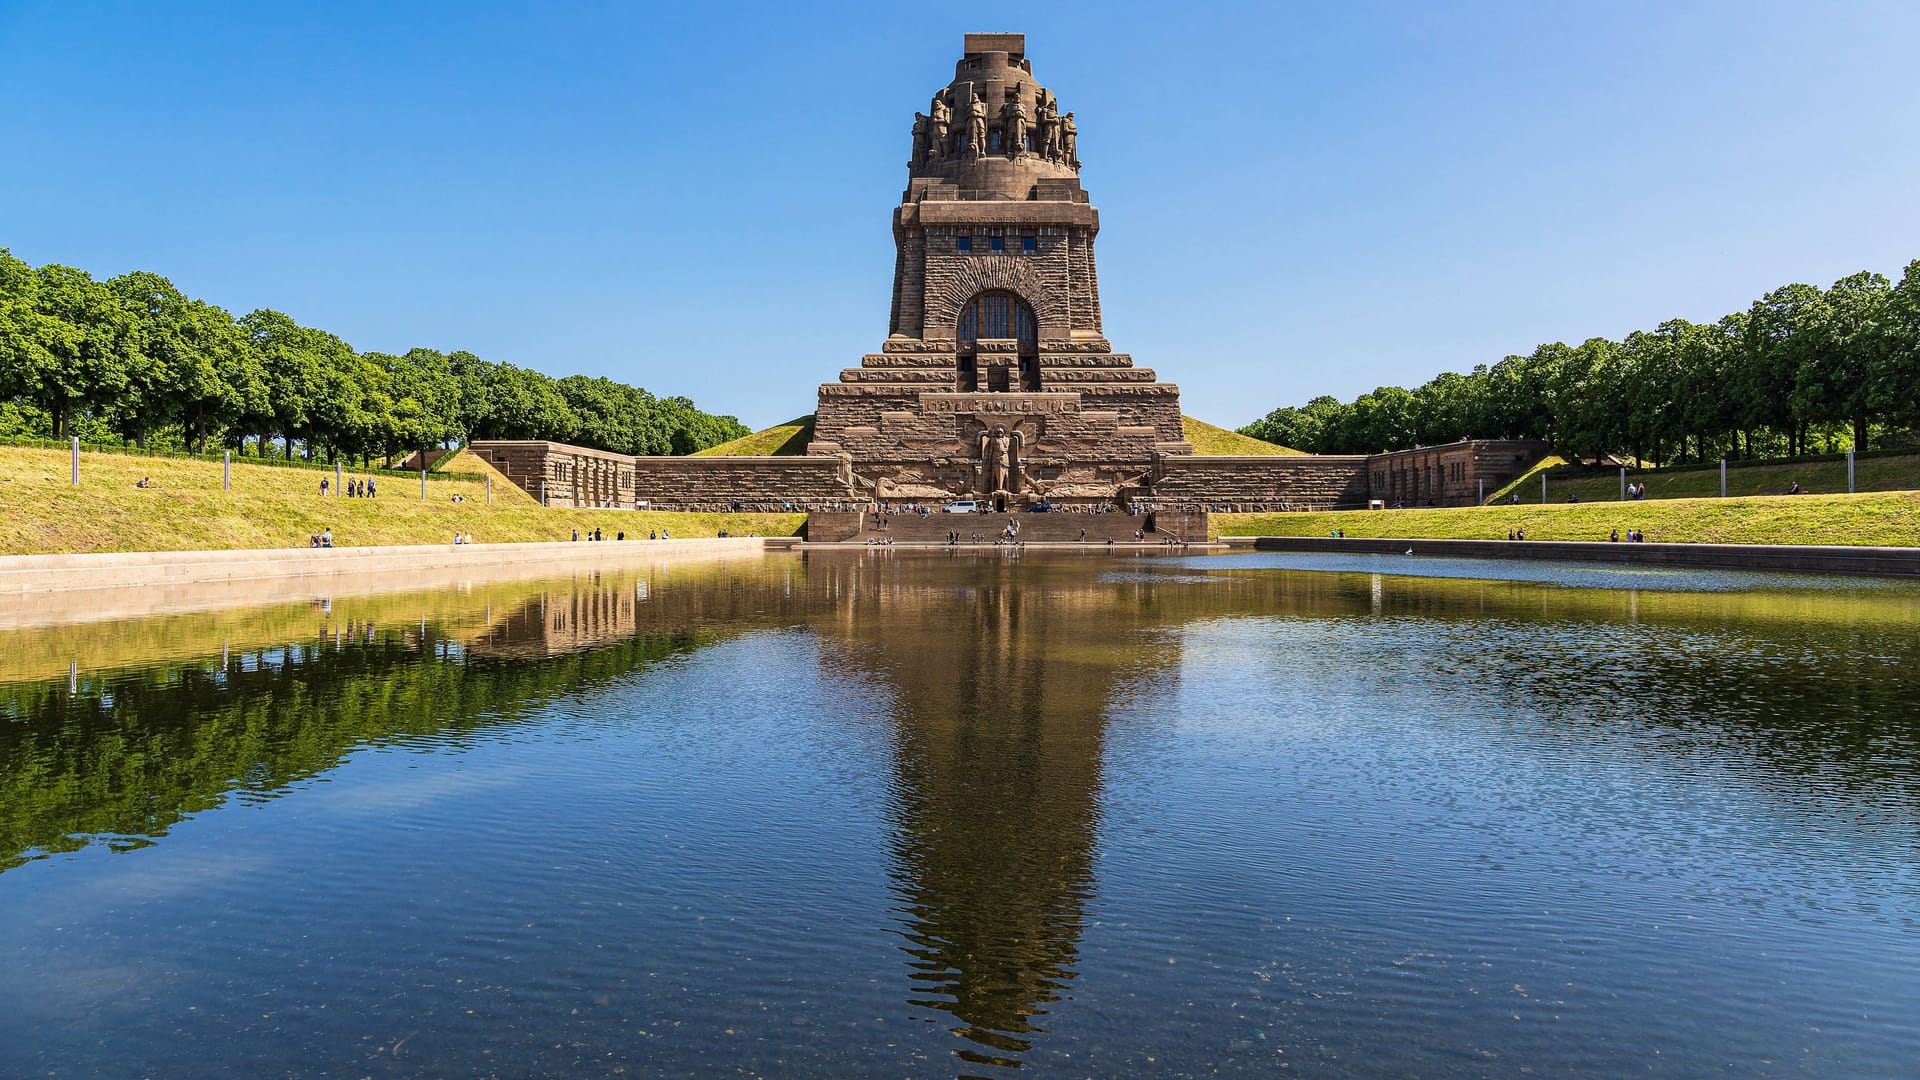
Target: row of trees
1801,370
131,358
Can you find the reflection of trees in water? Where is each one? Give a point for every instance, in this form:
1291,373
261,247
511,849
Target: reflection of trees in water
136,751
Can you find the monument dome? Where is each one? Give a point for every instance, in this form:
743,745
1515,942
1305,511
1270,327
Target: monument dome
994,131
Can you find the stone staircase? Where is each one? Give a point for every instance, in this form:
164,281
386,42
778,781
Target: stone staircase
857,527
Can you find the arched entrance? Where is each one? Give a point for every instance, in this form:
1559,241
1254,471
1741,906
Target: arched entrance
1009,359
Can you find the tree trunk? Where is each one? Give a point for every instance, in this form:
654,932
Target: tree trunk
1859,434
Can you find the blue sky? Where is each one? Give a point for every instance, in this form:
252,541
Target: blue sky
1296,199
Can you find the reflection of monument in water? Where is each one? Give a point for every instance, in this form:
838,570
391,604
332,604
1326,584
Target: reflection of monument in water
1002,687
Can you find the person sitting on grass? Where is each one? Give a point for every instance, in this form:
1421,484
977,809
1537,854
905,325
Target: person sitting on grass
1793,488
143,482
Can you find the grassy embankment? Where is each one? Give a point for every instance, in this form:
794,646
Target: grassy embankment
1875,518
275,506
1825,476
1218,441
782,440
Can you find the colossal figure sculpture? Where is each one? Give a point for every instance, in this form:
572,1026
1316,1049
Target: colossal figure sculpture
1013,127
921,132
1069,141
1048,120
937,127
1000,462
976,128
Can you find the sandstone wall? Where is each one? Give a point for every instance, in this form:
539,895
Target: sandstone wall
1304,482
744,483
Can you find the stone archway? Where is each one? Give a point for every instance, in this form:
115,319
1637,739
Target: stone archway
988,274
997,344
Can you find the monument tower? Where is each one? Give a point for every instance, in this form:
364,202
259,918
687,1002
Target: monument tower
995,379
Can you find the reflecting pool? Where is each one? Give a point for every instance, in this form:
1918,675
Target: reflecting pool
892,813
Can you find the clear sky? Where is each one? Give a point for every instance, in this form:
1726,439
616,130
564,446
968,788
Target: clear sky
1296,199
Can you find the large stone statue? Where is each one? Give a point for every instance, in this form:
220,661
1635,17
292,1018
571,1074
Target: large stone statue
1013,127
921,131
1048,121
1000,461
976,128
937,127
1069,141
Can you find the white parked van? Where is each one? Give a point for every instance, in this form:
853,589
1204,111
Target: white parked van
965,506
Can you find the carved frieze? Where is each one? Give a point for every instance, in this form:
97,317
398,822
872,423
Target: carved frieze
1000,404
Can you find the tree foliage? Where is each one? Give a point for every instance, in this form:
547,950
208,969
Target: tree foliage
1799,370
134,359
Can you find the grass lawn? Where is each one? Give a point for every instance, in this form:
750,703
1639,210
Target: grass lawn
185,509
1874,518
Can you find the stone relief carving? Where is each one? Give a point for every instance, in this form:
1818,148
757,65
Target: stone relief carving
1069,141
1000,461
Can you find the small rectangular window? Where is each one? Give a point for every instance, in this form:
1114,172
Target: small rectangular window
997,244
1026,244
965,243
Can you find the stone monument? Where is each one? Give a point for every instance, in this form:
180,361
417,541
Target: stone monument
995,380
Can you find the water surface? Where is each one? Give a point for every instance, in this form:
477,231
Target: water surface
886,813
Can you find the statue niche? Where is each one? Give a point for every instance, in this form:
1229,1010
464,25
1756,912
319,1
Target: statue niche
1001,471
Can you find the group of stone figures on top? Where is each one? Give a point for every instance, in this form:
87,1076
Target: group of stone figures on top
1044,131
